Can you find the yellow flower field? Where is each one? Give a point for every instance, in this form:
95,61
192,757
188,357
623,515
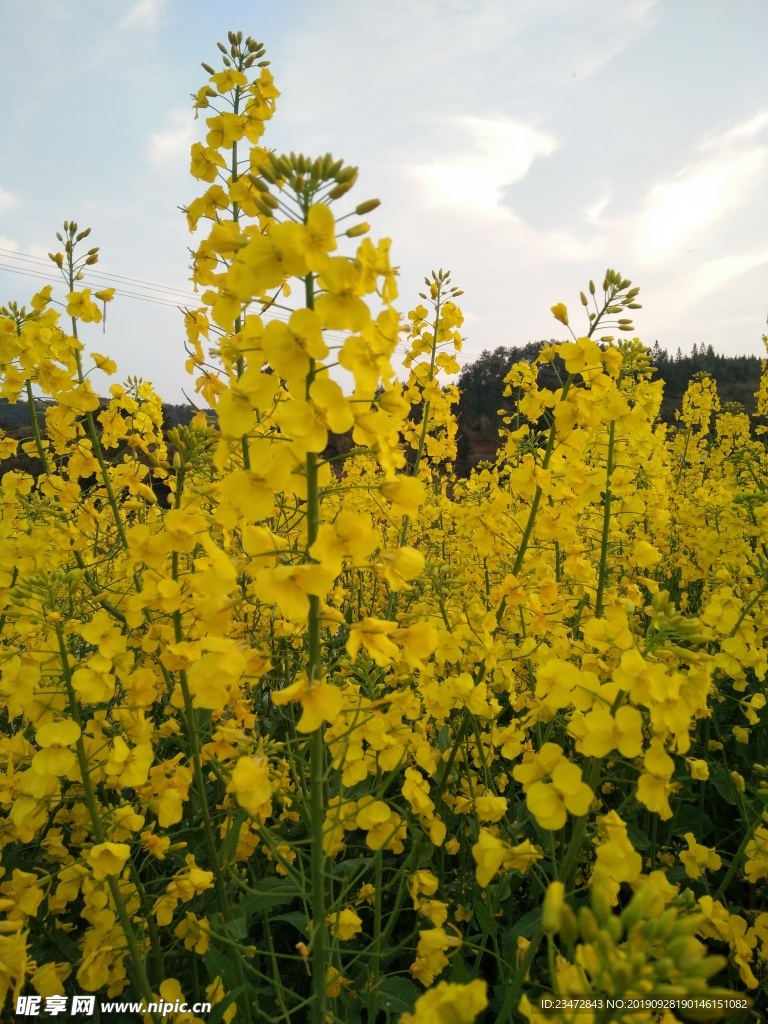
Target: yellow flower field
346,738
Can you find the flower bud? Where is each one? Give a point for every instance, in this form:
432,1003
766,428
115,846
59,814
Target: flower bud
605,945
347,174
707,968
684,949
551,914
600,899
370,204
257,183
587,924
660,928
339,190
560,313
262,207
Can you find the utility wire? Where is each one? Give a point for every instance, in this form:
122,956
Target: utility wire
42,269
118,291
130,281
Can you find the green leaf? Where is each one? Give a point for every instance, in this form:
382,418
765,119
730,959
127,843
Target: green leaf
444,741
270,892
237,927
229,845
64,944
637,837
294,917
398,995
345,868
526,926
723,783
217,1013
460,973
488,923
502,890
219,963
688,819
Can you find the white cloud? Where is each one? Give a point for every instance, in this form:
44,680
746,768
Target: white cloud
620,26
715,273
7,200
698,284
745,130
168,147
700,194
726,174
143,14
594,213
495,153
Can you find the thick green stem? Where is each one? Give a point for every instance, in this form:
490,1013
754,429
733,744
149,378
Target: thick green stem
193,737
376,945
392,599
317,786
136,955
319,943
36,429
512,998
736,860
603,569
528,530
92,432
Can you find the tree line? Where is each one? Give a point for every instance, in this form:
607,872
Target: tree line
482,401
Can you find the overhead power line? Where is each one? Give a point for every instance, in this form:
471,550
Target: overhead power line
135,288
121,292
145,291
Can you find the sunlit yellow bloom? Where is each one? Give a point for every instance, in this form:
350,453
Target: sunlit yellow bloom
344,925
493,855
320,702
108,858
250,783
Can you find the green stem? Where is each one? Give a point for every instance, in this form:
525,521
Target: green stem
92,432
319,941
392,599
36,429
317,788
603,569
512,998
193,738
682,458
136,955
737,857
525,540
92,585
375,965
568,867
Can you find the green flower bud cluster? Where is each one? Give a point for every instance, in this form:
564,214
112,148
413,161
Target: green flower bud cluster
640,951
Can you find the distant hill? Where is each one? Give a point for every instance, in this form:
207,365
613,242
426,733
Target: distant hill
15,415
737,377
481,384
15,422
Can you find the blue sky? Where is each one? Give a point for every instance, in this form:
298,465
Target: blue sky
524,144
